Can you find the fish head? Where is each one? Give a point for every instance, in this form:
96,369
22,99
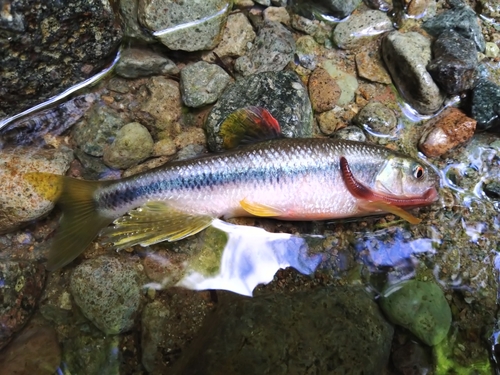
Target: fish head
411,181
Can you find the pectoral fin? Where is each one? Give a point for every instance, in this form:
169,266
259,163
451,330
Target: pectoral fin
387,207
261,210
152,223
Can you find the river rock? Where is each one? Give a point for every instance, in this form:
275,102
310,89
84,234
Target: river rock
446,131
315,331
351,133
347,82
377,119
461,19
187,26
334,8
382,5
272,50
281,93
370,66
22,284
324,92
406,56
35,351
484,109
277,14
420,307
132,144
108,293
202,83
132,29
238,35
36,35
308,52
454,63
142,62
360,28
19,201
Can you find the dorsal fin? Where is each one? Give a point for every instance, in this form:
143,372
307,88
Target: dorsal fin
248,125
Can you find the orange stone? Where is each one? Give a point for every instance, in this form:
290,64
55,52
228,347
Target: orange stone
323,90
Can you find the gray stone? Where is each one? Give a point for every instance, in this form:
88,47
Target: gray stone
337,9
462,19
308,52
132,29
406,56
95,131
36,36
377,119
272,51
318,331
202,83
351,133
20,202
282,94
141,62
187,26
485,109
360,28
108,293
132,144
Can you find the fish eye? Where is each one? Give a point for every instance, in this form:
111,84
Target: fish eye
418,172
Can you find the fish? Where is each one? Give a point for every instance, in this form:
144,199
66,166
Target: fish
260,174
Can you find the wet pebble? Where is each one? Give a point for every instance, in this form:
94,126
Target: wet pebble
142,62
337,8
21,286
416,8
202,83
193,36
329,122
238,35
462,19
132,29
454,63
360,28
491,50
108,293
370,66
485,109
406,56
347,82
420,307
308,52
35,351
377,119
446,131
324,92
94,132
382,5
272,50
277,14
164,147
132,144
351,133
281,93
20,202
303,24
314,331
412,359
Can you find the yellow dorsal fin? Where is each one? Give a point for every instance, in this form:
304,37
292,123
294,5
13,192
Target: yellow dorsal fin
152,223
261,210
387,207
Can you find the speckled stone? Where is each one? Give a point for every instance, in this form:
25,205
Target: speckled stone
308,52
324,92
277,14
416,8
347,82
377,119
406,56
19,201
382,5
132,29
22,284
351,133
446,131
132,144
360,28
454,64
142,62
370,66
282,94
462,19
108,293
202,22
311,331
334,8
485,110
272,50
202,83
37,35
329,122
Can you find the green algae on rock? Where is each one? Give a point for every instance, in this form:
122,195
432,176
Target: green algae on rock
420,307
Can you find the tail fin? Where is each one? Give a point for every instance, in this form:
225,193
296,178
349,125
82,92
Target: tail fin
81,220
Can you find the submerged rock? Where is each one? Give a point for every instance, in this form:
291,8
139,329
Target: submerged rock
420,307
347,82
485,108
370,66
272,50
20,203
446,131
406,56
315,331
324,92
188,26
314,9
142,62
108,293
377,119
282,94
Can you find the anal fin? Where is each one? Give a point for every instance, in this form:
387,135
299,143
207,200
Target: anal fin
152,223
261,210
387,207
